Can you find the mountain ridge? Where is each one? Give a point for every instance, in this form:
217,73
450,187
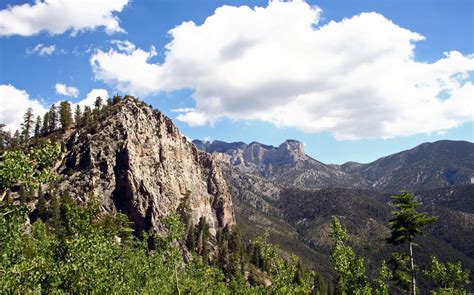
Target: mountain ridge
408,169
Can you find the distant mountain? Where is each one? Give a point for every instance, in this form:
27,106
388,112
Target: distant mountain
427,166
286,164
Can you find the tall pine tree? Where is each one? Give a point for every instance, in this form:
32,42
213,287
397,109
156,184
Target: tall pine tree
77,116
65,115
27,125
53,118
406,225
38,126
45,127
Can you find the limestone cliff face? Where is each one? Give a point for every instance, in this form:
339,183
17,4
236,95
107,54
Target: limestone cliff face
135,161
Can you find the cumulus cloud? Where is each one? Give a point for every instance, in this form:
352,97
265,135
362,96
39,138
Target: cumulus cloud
42,50
91,97
14,103
63,89
59,16
356,78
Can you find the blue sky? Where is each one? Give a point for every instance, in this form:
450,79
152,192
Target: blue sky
307,71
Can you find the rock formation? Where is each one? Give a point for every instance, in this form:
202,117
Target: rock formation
135,161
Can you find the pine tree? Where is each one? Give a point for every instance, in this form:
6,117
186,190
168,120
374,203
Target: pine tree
87,116
78,116
406,225
38,126
54,212
41,205
65,115
53,119
4,140
191,239
16,140
45,128
27,125
98,103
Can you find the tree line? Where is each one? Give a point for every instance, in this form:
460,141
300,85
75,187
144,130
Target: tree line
59,117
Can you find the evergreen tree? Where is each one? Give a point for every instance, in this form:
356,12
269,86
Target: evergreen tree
191,239
41,205
38,126
54,212
28,123
98,103
116,99
16,139
203,235
406,225
4,140
77,116
53,119
87,116
65,115
45,128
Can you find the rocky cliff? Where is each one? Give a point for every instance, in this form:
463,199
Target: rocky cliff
135,161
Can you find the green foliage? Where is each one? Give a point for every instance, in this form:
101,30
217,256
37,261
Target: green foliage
27,125
449,278
77,116
29,169
349,268
381,282
283,272
38,125
407,222
65,114
53,119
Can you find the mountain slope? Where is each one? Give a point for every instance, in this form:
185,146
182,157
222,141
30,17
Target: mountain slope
286,164
134,160
427,166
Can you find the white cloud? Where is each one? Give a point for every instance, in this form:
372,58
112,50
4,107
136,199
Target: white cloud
14,103
63,89
91,97
124,46
357,78
42,50
59,16
182,110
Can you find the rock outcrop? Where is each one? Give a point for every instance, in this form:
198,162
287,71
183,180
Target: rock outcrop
135,160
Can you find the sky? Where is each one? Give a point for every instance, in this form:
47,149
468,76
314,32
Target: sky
352,80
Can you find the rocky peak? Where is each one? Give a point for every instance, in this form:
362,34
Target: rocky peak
293,150
134,159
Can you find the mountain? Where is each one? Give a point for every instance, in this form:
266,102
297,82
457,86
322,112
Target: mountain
427,166
134,159
268,194
286,164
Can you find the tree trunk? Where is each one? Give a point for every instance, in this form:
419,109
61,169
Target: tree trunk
412,267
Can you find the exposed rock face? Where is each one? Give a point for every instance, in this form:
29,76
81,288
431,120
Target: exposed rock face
136,161
286,164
